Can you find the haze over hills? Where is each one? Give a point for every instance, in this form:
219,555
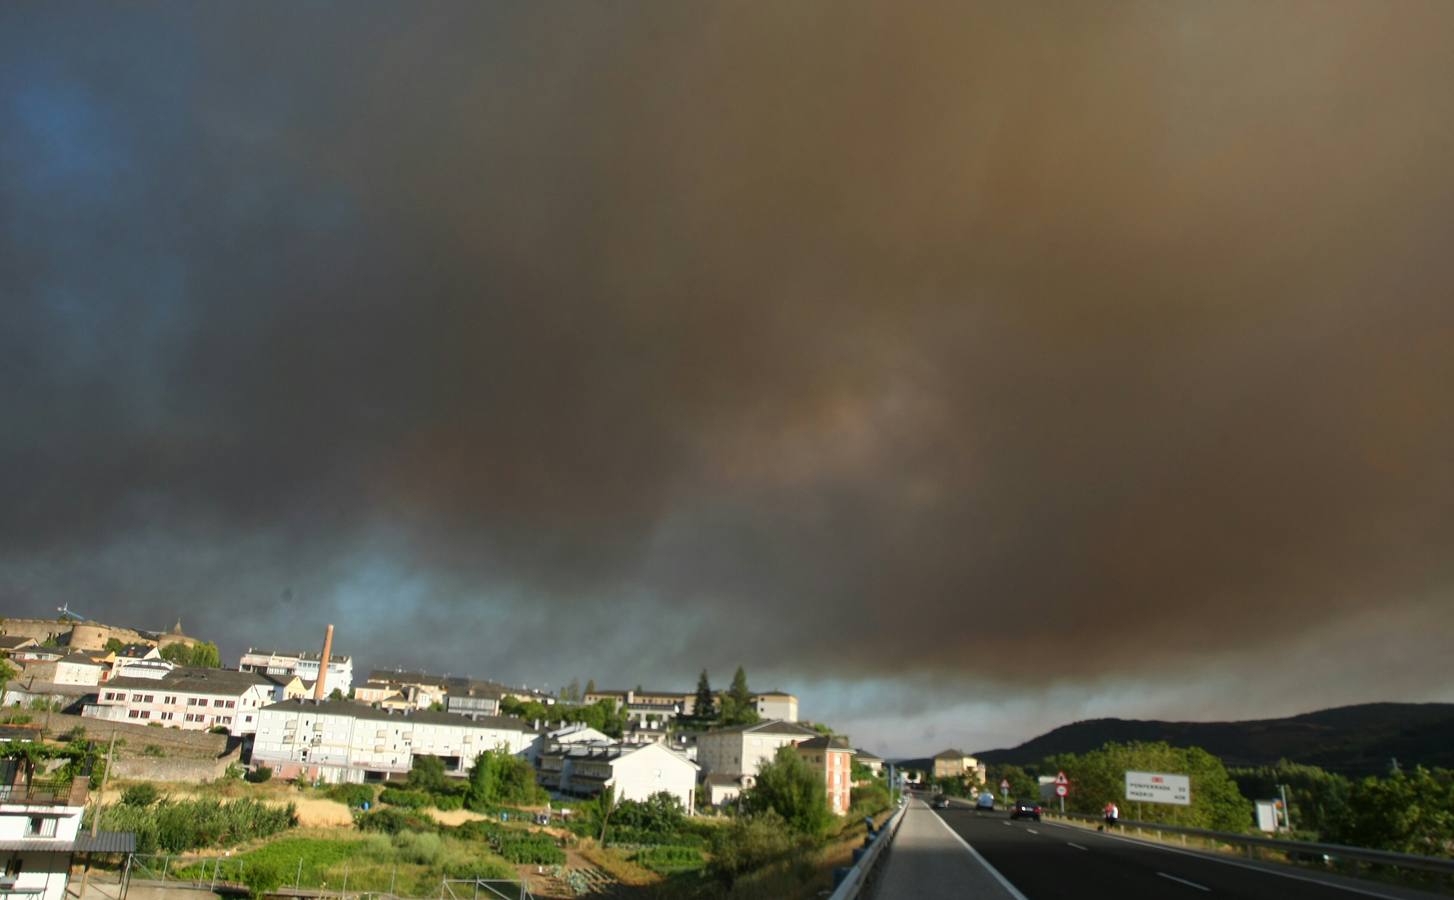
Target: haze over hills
1352,740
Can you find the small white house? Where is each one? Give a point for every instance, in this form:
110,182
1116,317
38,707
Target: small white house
78,668
635,772
39,835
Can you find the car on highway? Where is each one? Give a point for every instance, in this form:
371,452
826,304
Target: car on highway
1025,809
941,801
986,801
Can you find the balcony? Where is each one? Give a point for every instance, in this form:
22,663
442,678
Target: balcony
43,794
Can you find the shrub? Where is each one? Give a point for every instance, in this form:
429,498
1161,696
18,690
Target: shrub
140,795
353,796
174,826
668,858
152,750
418,848
406,799
523,847
259,775
394,821
750,843
232,772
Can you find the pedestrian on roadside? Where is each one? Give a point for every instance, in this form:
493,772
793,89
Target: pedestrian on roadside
1112,814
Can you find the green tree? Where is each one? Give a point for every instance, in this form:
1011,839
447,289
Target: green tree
427,774
590,685
336,694
750,844
7,672
706,705
737,705
499,778
1100,776
788,787
1321,802
1407,812
202,655
114,645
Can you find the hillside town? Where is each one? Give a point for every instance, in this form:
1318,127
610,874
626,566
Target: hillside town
303,715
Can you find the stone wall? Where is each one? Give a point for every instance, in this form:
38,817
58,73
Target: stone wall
173,741
165,768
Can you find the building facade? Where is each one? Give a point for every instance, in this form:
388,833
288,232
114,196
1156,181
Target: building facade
635,772
743,749
338,741
832,759
190,699
40,834
302,663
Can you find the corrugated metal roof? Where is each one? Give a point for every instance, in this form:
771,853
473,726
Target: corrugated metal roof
103,842
107,842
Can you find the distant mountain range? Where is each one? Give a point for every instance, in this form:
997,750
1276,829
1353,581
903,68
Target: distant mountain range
1351,740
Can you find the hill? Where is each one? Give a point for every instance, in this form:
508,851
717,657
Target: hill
1352,740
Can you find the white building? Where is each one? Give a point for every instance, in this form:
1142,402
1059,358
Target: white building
78,668
302,663
191,699
743,749
338,741
39,835
635,772
776,705
152,669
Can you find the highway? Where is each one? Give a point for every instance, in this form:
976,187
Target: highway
961,853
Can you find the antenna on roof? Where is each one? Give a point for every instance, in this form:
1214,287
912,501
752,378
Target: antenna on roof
65,612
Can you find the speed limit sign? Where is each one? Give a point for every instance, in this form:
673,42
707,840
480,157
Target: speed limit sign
1061,790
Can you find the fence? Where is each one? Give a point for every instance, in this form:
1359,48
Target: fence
230,876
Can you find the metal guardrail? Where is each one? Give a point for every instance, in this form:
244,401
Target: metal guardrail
1307,848
852,883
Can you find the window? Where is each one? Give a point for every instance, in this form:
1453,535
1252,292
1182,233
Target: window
169,700
13,867
41,826
201,701
133,714
136,698
146,714
148,698
191,701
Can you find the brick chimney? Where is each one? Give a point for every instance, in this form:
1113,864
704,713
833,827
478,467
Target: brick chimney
321,685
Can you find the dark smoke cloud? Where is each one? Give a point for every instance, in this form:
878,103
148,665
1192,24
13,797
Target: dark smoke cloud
697,334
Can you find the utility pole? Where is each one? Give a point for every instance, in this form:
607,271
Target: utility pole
96,816
1286,810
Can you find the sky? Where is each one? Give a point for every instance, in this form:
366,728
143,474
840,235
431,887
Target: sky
967,369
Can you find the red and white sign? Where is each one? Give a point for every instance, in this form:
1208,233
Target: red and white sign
1061,779
1061,790
1004,784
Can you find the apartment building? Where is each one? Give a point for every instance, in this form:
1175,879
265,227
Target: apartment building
958,764
743,749
474,699
338,741
303,663
832,759
191,699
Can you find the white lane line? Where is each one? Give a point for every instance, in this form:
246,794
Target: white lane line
1006,824
1241,865
1077,846
1004,882
1200,887
1032,831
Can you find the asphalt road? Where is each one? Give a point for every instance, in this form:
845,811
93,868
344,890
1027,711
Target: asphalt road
1041,861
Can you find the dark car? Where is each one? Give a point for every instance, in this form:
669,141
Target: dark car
1025,809
941,801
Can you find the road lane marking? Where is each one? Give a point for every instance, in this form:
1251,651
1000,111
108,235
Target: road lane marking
1241,865
1032,831
1200,887
1004,882
1077,846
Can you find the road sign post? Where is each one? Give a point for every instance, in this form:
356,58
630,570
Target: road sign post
1005,789
1062,787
